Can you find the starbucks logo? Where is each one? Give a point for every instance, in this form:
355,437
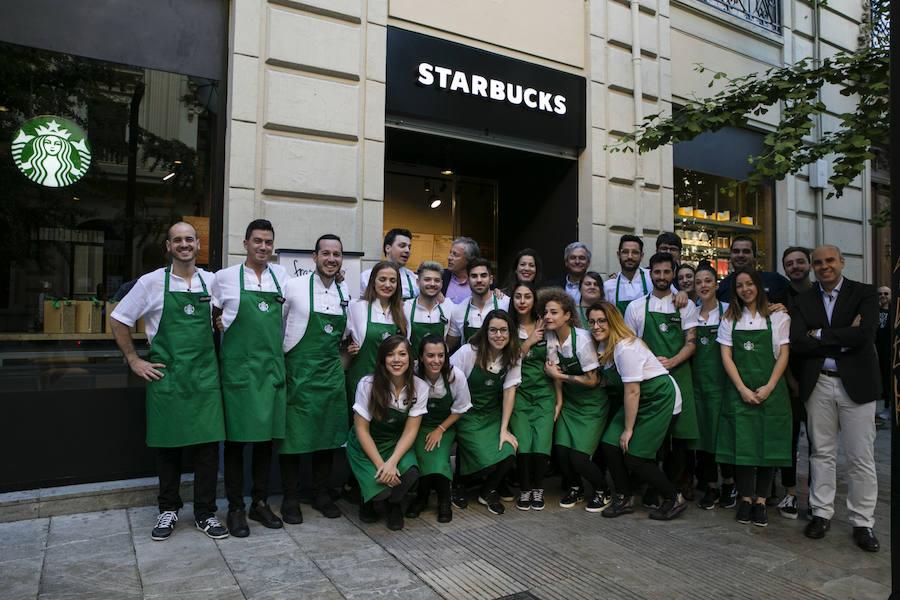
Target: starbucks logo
748,346
51,151
328,328
263,306
385,335
704,340
189,309
489,382
663,327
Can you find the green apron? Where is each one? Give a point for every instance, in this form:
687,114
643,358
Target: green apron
316,397
585,410
436,461
615,391
757,435
184,407
385,434
654,416
478,430
583,316
364,362
532,416
417,331
467,331
623,304
664,336
709,385
253,367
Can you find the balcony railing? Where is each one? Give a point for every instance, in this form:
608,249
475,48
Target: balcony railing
763,13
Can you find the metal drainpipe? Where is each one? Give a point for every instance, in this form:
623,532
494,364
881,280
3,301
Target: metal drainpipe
820,192
638,93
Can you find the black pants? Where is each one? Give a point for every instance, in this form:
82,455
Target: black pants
261,467
396,493
494,474
436,482
322,461
753,481
676,459
532,467
627,469
576,465
710,469
206,469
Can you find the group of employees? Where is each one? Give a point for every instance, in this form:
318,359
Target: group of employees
657,380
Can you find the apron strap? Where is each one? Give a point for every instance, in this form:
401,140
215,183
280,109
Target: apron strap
412,312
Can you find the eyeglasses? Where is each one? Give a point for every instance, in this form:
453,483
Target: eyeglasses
498,330
669,249
597,322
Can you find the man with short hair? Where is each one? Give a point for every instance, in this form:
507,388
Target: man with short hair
455,286
397,246
426,314
468,317
743,255
669,243
249,298
632,281
184,397
833,332
576,259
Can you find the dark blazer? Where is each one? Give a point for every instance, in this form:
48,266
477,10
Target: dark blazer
557,282
858,364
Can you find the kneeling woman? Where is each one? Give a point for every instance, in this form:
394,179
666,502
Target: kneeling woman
755,420
636,432
388,410
490,363
448,398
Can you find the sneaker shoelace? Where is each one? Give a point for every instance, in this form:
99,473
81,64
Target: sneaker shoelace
166,519
537,495
525,495
212,522
787,502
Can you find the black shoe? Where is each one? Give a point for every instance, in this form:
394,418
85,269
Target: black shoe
620,506
458,496
492,501
212,528
759,516
260,511
165,525
325,505
728,496
772,500
367,512
237,523
505,493
817,527
709,499
865,539
445,513
651,499
573,497
290,512
600,501
394,516
537,499
416,507
670,508
743,512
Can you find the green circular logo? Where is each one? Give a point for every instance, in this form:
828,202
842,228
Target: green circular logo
51,151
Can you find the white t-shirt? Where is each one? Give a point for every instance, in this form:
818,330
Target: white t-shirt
584,347
228,287
364,394
357,316
459,389
781,328
713,318
145,299
476,316
628,290
407,277
464,359
296,306
634,314
635,363
424,315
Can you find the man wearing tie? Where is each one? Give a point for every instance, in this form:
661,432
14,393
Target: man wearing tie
833,334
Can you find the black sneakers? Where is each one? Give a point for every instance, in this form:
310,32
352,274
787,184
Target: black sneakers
600,501
458,496
621,505
325,505
743,512
165,525
537,499
237,523
651,499
212,528
728,496
492,501
669,509
444,512
709,499
524,500
416,507
758,514
573,497
394,516
262,513
367,512
291,513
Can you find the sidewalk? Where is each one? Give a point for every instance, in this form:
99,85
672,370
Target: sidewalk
554,554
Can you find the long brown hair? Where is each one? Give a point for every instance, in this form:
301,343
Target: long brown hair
736,306
446,369
396,300
509,354
380,399
618,330
565,301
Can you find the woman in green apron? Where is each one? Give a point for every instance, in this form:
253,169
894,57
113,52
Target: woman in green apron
709,386
572,363
535,409
388,409
426,315
490,363
591,287
755,423
638,428
448,398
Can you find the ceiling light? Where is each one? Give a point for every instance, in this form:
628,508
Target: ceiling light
435,201
169,176
427,186
447,171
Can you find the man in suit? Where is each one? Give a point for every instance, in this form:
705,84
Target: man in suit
833,334
577,259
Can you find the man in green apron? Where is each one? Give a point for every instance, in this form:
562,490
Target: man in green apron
468,316
249,298
184,397
426,314
397,247
316,420
632,281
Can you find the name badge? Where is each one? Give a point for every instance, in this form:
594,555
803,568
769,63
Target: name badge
444,319
675,319
205,298
345,303
541,343
279,299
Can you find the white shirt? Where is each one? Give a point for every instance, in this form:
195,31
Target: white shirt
459,389
464,359
628,290
296,306
423,315
574,290
357,319
829,300
713,317
476,316
145,299
634,314
584,347
407,277
781,328
228,287
364,394
635,363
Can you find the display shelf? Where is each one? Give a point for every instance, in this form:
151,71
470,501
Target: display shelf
715,224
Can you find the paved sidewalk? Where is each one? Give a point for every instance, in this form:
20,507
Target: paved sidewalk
554,554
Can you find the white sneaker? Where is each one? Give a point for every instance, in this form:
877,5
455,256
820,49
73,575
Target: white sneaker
788,507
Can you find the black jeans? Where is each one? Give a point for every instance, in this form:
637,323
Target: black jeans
576,465
234,472
641,469
532,467
322,461
753,481
709,469
206,470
